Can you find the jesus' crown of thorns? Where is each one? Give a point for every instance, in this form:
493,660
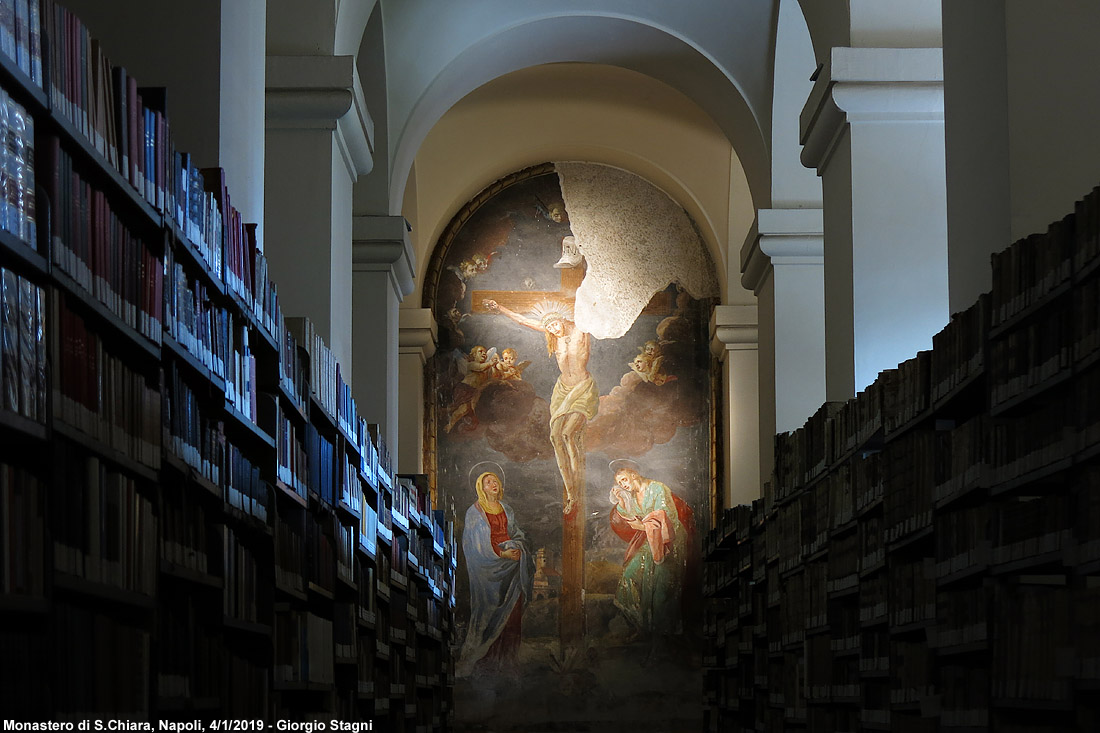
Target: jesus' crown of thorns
552,310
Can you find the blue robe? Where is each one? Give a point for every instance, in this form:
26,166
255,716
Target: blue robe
495,582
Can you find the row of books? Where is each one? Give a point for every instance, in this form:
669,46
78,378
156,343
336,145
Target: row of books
21,36
351,489
244,267
345,633
906,392
193,319
22,533
18,210
245,488
129,127
290,554
1030,269
1086,318
1086,231
863,658
958,351
303,648
241,599
125,124
185,538
346,542
938,466
23,333
240,370
97,391
320,556
1032,354
106,666
190,432
197,212
104,528
292,461
188,655
325,379
99,250
293,369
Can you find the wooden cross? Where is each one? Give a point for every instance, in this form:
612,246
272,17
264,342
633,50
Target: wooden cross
571,622
571,626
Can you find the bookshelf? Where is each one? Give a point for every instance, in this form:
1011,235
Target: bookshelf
925,556
195,522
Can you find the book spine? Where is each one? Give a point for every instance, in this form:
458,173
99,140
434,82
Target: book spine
7,28
36,43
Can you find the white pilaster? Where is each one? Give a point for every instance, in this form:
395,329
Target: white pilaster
873,129
383,266
783,264
734,340
319,138
416,345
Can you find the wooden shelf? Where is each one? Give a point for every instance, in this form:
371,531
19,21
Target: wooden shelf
1031,477
290,493
1021,316
250,428
24,427
189,575
1022,398
14,603
170,346
73,585
28,262
105,451
94,164
246,627
17,83
195,262
145,348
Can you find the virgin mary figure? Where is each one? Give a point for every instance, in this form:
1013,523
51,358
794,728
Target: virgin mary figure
501,567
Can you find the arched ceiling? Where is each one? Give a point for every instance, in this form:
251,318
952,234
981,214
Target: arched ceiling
584,112
721,59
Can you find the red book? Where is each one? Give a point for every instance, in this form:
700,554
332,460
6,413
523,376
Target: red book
250,259
50,148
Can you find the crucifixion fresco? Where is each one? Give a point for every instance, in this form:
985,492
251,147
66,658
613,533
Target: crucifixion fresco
574,363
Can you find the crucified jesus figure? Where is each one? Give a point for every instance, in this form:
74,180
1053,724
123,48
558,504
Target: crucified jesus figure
575,399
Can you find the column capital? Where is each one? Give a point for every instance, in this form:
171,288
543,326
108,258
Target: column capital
418,334
781,237
734,328
869,85
322,93
382,244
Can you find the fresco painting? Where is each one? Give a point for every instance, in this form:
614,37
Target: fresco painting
572,402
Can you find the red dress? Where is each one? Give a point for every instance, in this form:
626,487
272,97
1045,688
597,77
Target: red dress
505,649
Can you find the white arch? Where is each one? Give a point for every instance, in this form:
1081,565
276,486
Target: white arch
616,41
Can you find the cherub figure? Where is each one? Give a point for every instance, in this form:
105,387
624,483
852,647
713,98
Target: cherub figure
507,369
466,270
478,367
650,351
647,365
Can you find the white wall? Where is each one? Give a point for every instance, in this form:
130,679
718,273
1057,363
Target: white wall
975,99
241,128
1053,108
793,184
